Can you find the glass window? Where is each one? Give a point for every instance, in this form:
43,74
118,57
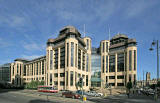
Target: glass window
76,56
79,58
130,60
62,57
87,63
56,59
111,77
71,78
67,78
55,82
83,62
67,54
42,67
135,60
87,44
24,70
106,46
37,69
120,77
103,64
17,69
103,46
86,80
50,78
130,77
112,63
55,74
120,62
62,75
106,64
61,83
51,59
72,53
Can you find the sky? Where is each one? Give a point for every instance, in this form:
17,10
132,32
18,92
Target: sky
26,25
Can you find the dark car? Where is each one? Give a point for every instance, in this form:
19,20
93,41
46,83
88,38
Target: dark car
70,94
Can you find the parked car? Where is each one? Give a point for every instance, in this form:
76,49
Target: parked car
94,93
80,92
70,94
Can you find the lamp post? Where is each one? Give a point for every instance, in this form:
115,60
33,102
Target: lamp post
153,44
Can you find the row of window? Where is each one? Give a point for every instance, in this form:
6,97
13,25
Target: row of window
105,47
35,66
120,62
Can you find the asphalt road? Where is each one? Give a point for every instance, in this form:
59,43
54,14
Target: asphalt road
29,96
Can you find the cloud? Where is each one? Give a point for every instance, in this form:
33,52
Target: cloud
4,43
30,57
33,46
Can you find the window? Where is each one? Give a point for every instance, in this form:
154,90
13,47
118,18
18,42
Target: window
120,84
83,62
13,69
62,57
130,77
112,84
67,78
87,63
106,46
72,53
56,59
112,63
62,74
42,67
24,72
106,64
86,80
55,74
120,62
87,44
17,68
51,59
71,78
61,83
134,79
79,58
120,77
106,79
103,64
32,69
76,56
50,78
111,77
55,82
67,54
135,60
20,69
75,77
79,75
130,60
37,69
103,46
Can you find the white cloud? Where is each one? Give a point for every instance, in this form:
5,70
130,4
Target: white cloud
33,46
30,57
4,43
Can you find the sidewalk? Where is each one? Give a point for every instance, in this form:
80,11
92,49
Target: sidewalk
134,98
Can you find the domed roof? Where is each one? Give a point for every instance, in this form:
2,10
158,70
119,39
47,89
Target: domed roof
119,36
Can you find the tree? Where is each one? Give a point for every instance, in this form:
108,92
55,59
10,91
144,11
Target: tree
158,84
34,84
129,86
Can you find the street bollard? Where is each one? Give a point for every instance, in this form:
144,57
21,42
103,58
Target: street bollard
84,98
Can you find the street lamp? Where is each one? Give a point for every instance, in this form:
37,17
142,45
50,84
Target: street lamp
153,44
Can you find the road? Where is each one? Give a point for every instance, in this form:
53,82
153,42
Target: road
30,96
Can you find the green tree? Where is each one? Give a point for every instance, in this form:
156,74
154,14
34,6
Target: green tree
34,84
158,84
129,86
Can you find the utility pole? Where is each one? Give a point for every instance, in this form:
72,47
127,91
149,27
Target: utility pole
153,44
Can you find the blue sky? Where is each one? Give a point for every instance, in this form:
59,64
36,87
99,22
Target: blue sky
25,25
